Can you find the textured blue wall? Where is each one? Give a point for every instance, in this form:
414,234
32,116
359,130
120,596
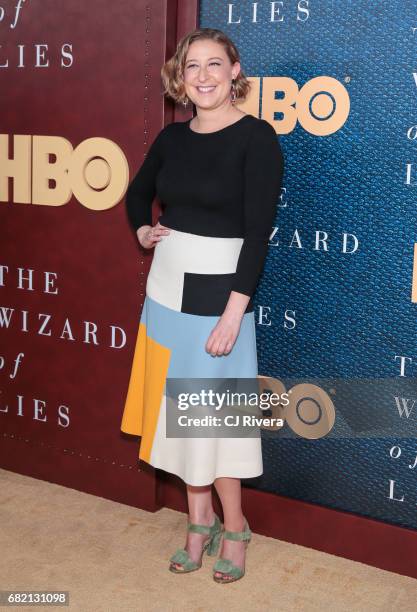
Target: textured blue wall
353,312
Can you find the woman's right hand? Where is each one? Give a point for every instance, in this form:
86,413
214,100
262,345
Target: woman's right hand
148,236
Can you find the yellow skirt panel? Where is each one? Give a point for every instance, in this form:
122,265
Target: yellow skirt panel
145,391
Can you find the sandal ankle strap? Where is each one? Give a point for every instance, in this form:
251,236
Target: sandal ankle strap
205,529
238,535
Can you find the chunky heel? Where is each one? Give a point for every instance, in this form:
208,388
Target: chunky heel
181,556
214,543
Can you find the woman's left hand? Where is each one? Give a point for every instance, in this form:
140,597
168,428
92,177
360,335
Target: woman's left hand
224,334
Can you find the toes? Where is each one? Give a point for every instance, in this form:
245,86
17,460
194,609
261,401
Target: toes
177,565
223,576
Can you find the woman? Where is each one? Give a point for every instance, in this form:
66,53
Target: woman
218,176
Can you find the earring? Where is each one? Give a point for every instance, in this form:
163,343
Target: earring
233,92
185,101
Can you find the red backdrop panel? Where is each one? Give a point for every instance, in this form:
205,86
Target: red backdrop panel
88,70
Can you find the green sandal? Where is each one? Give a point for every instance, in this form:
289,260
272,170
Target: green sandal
211,546
225,566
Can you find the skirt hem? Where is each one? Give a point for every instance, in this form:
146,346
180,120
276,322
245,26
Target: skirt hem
198,483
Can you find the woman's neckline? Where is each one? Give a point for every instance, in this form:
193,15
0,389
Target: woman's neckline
216,131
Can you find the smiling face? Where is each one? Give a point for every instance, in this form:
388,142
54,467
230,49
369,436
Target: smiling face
208,73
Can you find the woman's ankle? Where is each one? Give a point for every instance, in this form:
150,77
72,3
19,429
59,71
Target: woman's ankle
235,523
202,518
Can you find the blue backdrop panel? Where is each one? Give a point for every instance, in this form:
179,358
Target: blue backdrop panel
353,311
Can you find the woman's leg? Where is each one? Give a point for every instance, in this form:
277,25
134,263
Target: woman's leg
200,508
229,490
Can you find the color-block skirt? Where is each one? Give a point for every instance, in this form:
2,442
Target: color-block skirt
186,292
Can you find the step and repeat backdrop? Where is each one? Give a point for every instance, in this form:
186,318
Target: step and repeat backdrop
336,306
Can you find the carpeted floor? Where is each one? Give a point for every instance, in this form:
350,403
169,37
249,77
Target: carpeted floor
112,558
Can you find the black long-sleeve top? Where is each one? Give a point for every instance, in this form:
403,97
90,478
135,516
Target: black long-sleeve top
224,184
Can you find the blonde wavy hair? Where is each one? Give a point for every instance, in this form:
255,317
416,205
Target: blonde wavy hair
172,72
